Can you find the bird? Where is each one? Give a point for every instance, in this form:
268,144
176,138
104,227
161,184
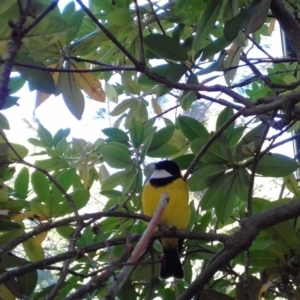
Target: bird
167,178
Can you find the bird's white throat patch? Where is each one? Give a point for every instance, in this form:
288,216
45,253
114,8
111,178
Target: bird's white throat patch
160,174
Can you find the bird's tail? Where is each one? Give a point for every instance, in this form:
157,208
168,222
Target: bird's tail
171,265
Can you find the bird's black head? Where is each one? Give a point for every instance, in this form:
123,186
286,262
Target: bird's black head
169,166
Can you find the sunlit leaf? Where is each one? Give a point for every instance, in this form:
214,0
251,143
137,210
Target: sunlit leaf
33,250
87,82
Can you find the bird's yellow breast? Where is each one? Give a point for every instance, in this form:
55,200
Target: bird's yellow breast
177,212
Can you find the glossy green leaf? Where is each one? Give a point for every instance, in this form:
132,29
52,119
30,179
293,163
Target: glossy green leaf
191,128
115,134
145,148
28,282
65,231
222,186
206,22
165,47
170,71
164,151
259,15
7,225
71,93
3,122
21,183
36,78
205,177
65,179
184,161
33,250
216,153
116,156
114,180
161,137
120,17
224,116
238,22
276,165
40,210
80,197
136,132
40,184
211,49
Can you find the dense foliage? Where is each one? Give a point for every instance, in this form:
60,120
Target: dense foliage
238,246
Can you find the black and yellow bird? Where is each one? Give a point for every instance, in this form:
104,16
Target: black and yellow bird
167,178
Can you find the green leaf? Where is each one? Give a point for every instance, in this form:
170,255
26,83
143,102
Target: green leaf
136,131
114,180
165,47
80,198
205,177
21,183
123,106
211,49
184,161
111,93
116,134
212,196
127,291
7,225
191,128
161,137
181,5
28,282
259,15
120,17
276,165
231,62
164,151
65,231
65,179
291,184
3,122
170,71
237,23
33,250
145,148
224,116
40,185
45,136
74,18
71,93
206,22
116,156
40,210
37,79
216,153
